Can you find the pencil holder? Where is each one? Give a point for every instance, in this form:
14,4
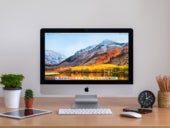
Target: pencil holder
163,99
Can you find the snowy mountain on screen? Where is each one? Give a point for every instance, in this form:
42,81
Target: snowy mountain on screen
53,58
105,52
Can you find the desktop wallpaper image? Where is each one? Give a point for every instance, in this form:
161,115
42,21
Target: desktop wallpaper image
86,56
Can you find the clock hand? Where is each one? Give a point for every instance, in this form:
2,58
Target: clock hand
146,95
149,99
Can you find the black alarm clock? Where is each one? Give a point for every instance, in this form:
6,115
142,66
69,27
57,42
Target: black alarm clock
146,99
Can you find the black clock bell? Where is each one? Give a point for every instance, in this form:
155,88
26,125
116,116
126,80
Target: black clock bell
146,99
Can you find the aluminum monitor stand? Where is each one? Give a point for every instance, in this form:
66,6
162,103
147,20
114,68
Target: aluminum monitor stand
85,102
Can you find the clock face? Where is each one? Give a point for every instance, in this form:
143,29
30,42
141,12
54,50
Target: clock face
146,99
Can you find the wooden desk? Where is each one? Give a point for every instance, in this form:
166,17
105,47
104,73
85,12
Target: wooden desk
160,117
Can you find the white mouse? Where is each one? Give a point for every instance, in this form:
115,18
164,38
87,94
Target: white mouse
131,114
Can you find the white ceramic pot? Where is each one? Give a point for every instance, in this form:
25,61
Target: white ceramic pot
12,98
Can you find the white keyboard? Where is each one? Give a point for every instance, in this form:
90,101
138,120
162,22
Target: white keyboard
98,111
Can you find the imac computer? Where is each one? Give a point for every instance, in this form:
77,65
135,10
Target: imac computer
75,59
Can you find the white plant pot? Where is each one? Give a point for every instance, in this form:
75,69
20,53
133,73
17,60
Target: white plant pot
12,98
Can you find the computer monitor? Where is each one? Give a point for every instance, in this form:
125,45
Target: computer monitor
74,58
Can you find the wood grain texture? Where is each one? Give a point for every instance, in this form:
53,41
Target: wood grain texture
158,118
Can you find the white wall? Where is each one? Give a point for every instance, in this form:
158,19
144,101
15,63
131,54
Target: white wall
21,20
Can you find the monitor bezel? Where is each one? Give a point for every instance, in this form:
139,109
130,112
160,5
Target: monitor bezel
85,30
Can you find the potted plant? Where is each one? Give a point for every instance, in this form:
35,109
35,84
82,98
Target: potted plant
12,89
29,98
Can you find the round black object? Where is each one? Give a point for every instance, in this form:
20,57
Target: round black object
146,99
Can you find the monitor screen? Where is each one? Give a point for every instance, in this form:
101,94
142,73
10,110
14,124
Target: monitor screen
86,56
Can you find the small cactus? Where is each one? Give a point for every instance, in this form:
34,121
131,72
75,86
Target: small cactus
29,94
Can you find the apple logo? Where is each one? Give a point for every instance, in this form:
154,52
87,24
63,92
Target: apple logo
86,89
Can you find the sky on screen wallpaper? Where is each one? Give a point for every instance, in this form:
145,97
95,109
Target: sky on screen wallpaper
68,44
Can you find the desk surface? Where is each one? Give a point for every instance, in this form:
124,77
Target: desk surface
160,117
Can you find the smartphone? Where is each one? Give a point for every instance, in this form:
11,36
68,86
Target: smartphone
138,110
